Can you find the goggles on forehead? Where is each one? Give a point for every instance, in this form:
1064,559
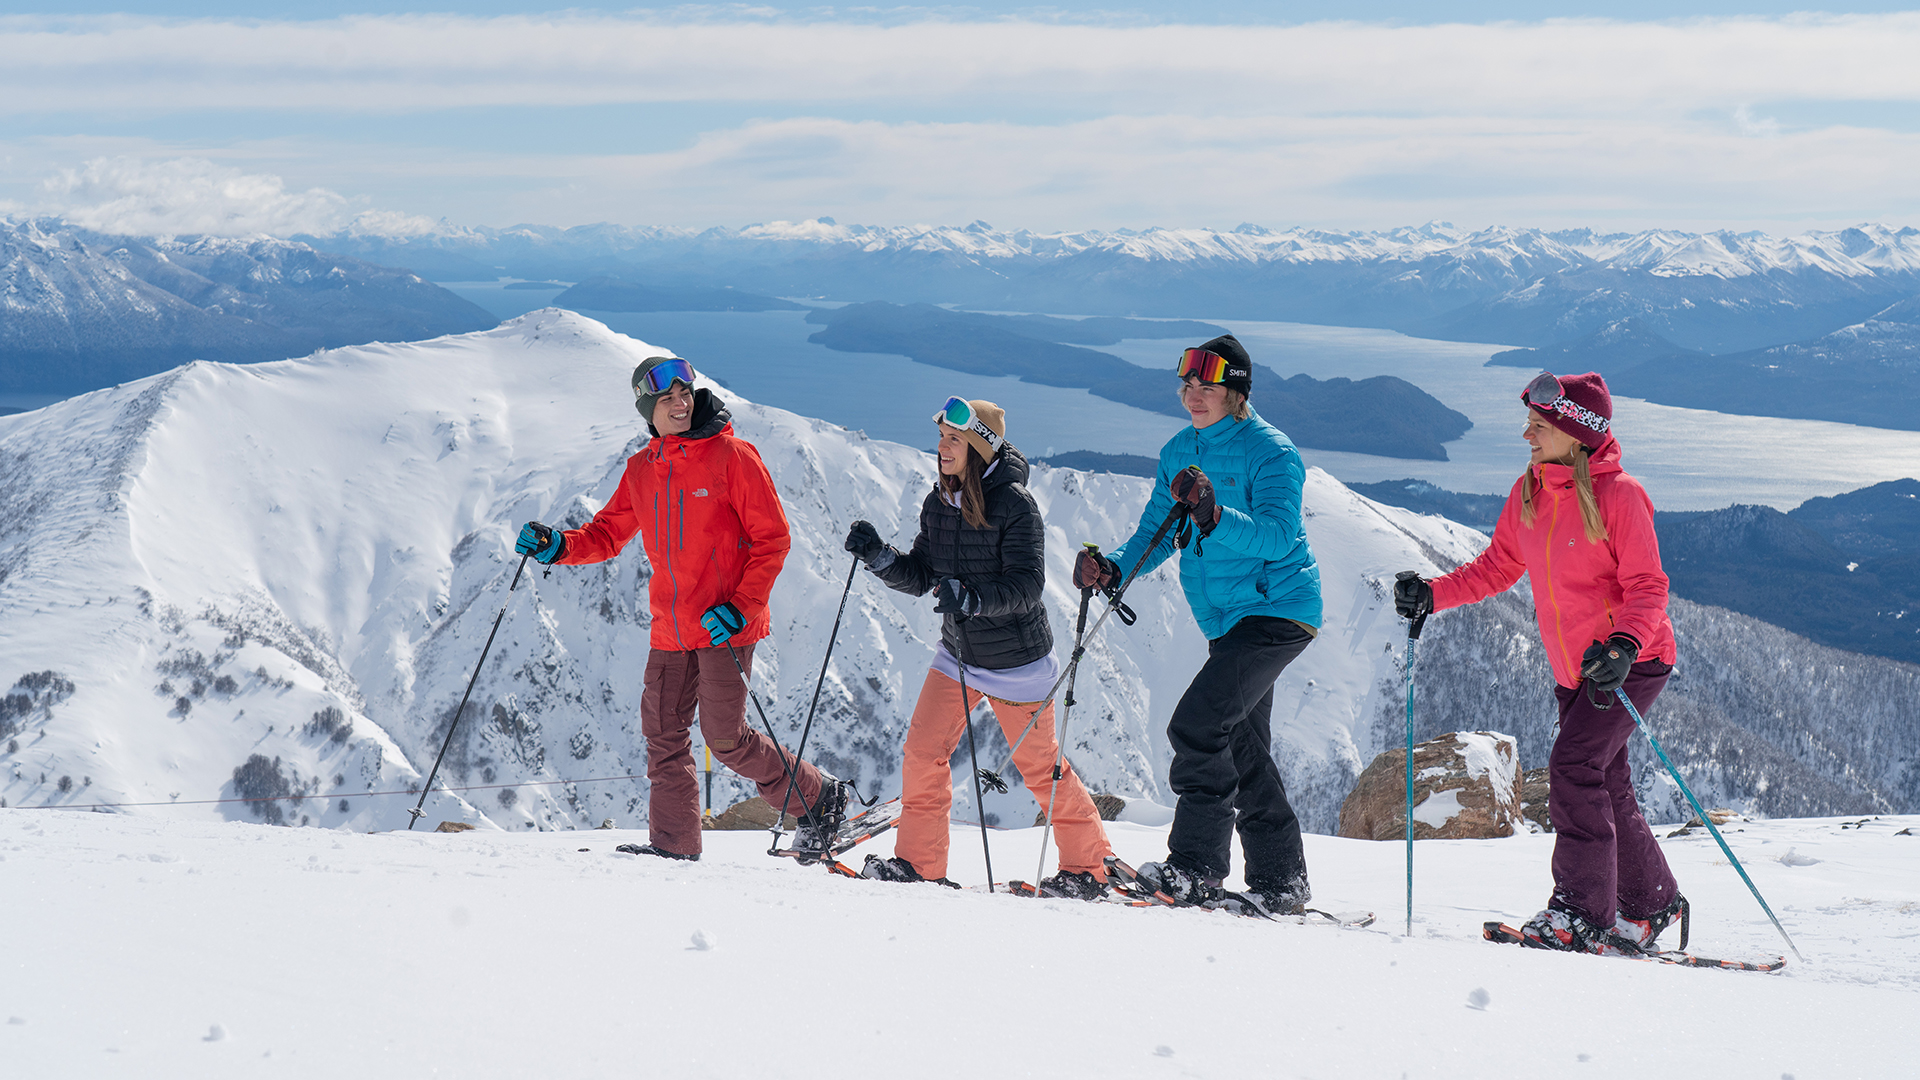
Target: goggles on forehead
959,413
1545,392
1208,367
661,377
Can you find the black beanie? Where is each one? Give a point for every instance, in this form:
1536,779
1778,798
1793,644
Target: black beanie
1239,364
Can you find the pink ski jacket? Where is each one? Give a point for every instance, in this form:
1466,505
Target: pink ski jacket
1582,591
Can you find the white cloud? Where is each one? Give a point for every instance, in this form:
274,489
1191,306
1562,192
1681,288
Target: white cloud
1581,67
193,196
1345,124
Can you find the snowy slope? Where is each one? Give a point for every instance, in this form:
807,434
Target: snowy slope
160,948
300,561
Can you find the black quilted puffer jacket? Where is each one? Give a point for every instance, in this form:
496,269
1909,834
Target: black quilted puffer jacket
1004,564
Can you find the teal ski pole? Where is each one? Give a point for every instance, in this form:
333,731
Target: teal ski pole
1707,821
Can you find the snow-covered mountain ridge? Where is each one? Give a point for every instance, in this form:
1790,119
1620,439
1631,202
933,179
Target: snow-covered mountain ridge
275,580
1716,291
1861,251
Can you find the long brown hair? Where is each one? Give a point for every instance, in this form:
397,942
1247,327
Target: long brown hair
1582,491
973,495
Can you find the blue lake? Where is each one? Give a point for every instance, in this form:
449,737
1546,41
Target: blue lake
1689,459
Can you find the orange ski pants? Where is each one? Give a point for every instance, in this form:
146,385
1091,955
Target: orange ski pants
926,798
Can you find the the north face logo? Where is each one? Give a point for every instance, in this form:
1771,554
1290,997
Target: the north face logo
701,492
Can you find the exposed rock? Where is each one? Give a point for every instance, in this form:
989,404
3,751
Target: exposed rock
1533,799
1466,786
453,826
745,815
1109,807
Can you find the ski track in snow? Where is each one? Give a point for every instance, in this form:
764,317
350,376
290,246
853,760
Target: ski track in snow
159,947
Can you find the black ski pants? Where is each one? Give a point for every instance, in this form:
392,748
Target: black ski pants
1223,770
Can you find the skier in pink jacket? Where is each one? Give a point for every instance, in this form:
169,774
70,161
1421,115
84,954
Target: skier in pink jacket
1581,529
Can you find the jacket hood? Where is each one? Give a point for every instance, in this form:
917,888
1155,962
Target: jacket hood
1010,467
710,417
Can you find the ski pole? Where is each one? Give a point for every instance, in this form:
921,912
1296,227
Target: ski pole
808,728
709,751
1060,733
1413,640
779,812
1113,605
416,812
973,752
1708,821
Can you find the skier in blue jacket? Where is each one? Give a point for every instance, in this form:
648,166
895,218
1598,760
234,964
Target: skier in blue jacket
1251,580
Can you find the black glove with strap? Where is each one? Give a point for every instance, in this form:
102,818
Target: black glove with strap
952,597
863,540
1412,596
1605,664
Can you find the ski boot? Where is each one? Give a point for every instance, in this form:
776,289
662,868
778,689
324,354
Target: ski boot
1073,885
895,868
1569,931
1179,884
820,827
1280,899
649,849
1641,932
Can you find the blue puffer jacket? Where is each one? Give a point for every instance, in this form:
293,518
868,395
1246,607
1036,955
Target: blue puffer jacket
1257,562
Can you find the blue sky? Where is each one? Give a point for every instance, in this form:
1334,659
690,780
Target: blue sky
1363,114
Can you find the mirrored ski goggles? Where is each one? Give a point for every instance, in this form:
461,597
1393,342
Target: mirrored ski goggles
661,377
1545,392
958,412
1208,367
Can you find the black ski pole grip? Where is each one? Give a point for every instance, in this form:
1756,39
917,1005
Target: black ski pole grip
1419,623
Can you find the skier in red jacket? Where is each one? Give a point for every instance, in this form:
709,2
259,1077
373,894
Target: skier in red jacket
1581,529
716,537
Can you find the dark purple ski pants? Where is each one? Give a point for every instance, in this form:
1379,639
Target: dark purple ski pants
1605,858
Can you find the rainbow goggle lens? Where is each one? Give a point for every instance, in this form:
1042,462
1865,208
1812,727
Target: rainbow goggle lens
1208,367
661,377
958,413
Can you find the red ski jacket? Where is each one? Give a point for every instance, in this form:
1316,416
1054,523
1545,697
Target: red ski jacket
1582,591
712,525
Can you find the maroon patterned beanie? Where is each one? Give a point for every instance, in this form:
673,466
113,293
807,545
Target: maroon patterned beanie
1582,408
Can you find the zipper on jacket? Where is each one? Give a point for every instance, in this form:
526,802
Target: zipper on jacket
673,604
1553,594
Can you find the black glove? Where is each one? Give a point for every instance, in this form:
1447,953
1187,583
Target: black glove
863,540
541,542
952,597
1092,570
1605,664
1191,487
1412,596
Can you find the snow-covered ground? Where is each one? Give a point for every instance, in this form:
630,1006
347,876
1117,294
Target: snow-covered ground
156,947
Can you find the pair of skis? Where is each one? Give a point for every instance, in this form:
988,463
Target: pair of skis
1505,934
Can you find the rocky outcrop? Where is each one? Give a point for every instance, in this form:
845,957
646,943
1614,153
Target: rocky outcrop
1466,786
745,816
1533,799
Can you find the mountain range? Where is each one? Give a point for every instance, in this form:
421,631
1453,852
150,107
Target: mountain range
1716,292
275,581
80,310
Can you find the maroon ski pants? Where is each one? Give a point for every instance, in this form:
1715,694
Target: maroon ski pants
706,682
1605,858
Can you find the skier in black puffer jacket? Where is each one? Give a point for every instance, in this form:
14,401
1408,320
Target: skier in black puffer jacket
982,551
